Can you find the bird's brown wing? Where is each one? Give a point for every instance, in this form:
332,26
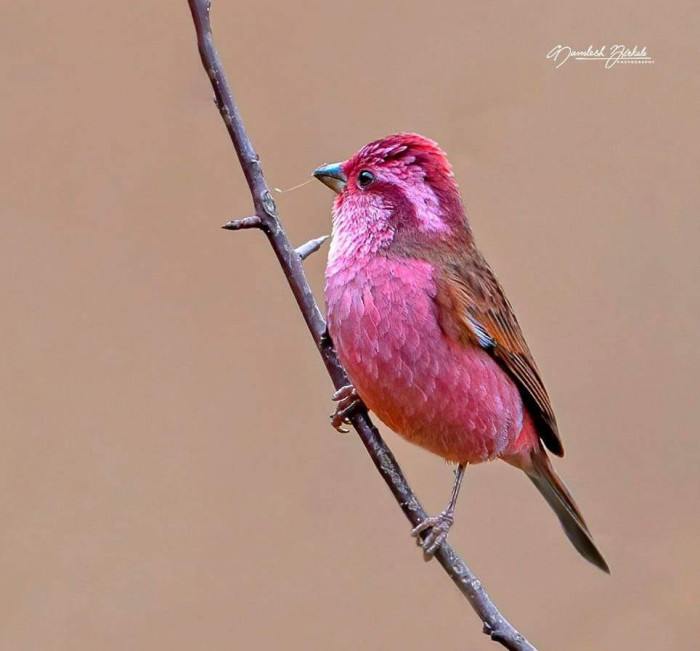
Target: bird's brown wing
473,309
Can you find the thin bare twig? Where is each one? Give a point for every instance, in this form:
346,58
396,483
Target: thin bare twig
240,224
305,250
495,625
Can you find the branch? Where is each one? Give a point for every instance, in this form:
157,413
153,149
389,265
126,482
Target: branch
267,220
305,250
241,224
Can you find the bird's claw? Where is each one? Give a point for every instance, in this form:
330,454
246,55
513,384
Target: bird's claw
348,401
437,526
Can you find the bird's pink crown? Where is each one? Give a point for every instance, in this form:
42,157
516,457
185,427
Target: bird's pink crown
403,149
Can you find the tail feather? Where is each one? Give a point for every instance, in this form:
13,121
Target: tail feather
541,473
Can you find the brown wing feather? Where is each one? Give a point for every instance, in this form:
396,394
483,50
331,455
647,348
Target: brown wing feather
474,309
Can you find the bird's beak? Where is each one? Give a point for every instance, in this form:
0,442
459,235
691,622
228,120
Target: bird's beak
333,176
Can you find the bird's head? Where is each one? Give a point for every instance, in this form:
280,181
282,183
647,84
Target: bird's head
397,192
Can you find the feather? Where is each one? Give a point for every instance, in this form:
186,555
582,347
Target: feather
474,310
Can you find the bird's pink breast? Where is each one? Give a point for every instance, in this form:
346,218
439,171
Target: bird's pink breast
450,398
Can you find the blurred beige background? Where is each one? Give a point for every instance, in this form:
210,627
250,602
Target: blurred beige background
168,477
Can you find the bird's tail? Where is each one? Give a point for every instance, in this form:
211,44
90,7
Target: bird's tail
538,468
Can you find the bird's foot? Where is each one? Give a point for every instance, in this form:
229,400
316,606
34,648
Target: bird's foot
348,401
437,526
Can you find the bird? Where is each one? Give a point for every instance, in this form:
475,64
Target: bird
430,343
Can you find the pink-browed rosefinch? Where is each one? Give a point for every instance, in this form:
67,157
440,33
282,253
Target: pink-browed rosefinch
426,334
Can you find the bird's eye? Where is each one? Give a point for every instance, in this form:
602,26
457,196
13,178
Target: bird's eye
365,178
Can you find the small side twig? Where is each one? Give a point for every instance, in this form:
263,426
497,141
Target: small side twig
305,250
241,224
290,259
